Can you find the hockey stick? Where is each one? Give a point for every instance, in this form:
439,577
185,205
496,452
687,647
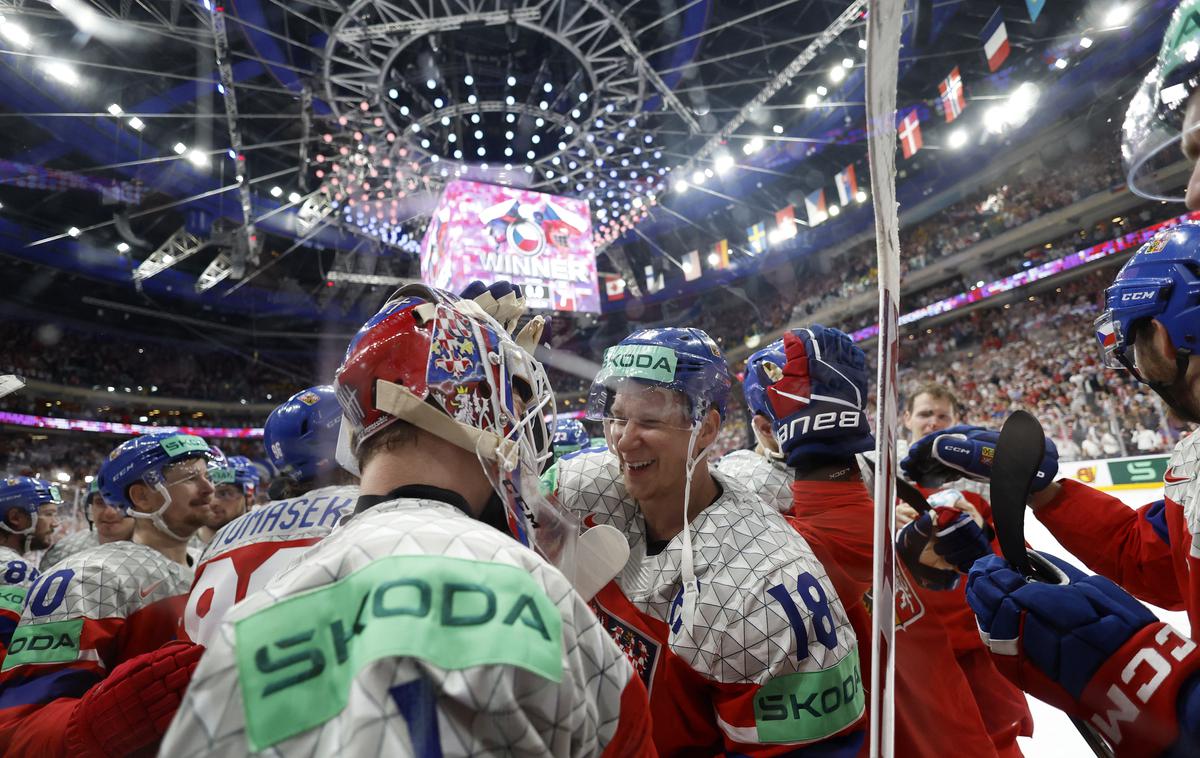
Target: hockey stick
1019,453
884,21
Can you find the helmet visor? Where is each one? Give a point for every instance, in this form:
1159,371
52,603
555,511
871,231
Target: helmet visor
1152,137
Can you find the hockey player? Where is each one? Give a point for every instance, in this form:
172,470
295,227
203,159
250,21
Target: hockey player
106,523
762,469
421,626
808,391
28,516
234,486
315,494
725,611
570,435
88,670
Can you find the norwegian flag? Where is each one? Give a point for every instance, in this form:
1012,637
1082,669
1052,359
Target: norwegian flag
910,134
847,185
995,41
953,100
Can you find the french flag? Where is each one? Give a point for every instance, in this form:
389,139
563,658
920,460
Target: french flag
995,41
847,187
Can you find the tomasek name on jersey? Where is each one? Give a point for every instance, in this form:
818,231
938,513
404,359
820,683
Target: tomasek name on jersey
451,612
810,706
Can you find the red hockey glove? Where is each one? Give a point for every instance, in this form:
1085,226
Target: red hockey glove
130,710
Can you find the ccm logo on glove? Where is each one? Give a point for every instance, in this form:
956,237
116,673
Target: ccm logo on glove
817,423
1157,664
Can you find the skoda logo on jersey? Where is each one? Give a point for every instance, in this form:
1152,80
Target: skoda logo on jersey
525,237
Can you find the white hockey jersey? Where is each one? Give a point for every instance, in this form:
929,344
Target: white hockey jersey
768,478
771,661
412,630
17,575
69,545
245,553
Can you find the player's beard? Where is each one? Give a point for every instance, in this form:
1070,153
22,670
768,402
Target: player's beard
1186,408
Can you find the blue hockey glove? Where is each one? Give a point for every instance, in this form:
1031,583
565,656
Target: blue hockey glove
957,540
817,408
1087,647
965,452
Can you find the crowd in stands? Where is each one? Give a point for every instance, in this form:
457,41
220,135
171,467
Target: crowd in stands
1041,354
76,357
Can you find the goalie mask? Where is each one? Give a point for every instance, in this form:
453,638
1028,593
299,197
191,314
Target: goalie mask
441,364
1154,121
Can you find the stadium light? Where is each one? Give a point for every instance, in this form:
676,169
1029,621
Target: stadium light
681,186
812,100
1060,64
15,33
430,84
1085,42
777,128
698,177
122,247
137,124
834,210
723,162
837,73
294,197
712,259
180,148
822,90
198,158
61,71
1117,16
847,63
512,81
958,138
74,231
860,196
862,44
115,110
753,146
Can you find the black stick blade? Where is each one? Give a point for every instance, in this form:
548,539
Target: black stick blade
1018,455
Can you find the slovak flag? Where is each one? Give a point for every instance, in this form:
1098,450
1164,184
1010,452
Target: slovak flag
910,134
953,100
847,186
614,287
995,41
814,205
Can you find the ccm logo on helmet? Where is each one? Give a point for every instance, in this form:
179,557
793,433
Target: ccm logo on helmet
1133,297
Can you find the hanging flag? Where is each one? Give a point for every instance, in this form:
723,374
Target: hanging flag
691,266
847,185
953,100
1035,8
910,134
614,287
720,254
654,281
785,222
756,236
814,205
995,41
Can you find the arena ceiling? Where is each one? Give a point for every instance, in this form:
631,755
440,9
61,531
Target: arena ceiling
266,148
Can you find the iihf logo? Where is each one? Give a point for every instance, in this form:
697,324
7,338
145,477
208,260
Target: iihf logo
527,227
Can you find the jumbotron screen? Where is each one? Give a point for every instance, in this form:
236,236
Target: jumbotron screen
488,232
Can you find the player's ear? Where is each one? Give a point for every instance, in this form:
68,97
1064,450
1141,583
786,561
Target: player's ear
1161,340
708,429
17,518
763,433
144,498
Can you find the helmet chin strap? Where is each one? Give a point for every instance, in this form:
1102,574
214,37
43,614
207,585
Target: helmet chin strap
156,517
27,532
691,587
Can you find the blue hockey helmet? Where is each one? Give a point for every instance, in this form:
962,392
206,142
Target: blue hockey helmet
569,435
763,368
238,470
28,494
301,434
684,360
142,460
1161,282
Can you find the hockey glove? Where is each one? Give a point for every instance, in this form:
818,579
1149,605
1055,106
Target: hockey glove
505,302
965,452
129,712
939,544
1087,647
817,407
